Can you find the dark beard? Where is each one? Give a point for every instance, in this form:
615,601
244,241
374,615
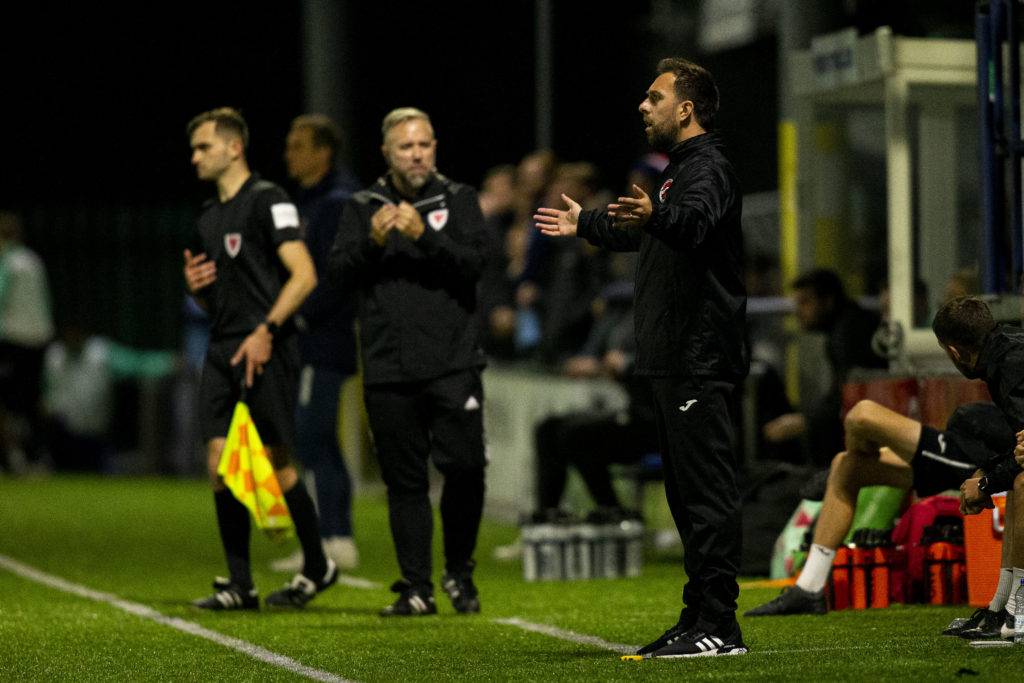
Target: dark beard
660,140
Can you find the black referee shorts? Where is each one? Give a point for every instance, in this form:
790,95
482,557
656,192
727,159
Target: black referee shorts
974,433
271,398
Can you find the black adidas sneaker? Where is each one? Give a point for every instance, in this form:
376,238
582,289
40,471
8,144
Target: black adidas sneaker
697,642
228,596
301,589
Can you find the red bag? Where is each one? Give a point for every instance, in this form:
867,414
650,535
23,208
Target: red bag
908,582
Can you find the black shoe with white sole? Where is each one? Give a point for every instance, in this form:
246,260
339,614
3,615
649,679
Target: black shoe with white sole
411,602
301,589
228,596
792,600
687,619
697,642
462,591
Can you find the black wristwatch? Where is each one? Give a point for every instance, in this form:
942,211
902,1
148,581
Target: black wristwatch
272,327
983,486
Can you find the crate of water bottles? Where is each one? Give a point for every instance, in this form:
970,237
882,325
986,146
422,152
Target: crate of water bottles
607,544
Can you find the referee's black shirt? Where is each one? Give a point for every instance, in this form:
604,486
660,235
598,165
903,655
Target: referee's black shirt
242,236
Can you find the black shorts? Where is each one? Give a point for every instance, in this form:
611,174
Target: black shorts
974,433
271,398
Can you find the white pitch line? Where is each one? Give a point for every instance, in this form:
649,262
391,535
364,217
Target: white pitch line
246,648
571,636
623,649
357,582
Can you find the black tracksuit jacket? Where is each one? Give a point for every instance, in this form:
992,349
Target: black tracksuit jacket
690,297
417,299
1001,366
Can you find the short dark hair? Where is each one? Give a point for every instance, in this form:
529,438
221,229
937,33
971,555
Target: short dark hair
963,322
229,123
824,283
324,131
694,83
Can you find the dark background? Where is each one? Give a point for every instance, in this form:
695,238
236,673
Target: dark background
97,101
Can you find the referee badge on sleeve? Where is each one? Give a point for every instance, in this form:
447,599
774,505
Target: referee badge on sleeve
285,215
233,243
438,219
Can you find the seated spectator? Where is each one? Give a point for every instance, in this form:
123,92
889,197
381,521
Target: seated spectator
821,305
591,440
80,371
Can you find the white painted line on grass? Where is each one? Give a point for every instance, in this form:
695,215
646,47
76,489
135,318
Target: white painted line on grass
571,636
356,582
246,648
622,649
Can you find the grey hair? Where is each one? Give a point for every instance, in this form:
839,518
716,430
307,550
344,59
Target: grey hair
401,115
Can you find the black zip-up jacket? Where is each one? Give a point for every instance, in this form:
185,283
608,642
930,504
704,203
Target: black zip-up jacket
690,296
417,299
1001,366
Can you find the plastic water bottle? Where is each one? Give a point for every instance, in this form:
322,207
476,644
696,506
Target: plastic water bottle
1018,614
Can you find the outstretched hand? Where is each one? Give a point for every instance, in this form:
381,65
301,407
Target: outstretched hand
555,222
632,211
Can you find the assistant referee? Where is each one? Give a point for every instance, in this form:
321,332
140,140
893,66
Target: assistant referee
250,270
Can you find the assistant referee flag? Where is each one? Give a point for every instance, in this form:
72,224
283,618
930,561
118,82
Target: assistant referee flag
247,471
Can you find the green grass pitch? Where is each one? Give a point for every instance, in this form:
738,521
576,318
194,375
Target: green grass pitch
152,543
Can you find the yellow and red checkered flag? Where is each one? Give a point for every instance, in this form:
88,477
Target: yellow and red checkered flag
247,471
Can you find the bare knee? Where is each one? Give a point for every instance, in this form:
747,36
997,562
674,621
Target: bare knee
861,417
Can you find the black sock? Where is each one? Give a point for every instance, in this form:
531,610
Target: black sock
233,522
307,529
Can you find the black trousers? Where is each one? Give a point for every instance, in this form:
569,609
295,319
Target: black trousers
589,441
441,419
695,428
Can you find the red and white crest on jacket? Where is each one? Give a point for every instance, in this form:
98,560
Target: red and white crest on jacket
233,243
438,218
664,190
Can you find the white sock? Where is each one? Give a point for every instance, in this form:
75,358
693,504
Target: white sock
1002,589
817,569
1011,600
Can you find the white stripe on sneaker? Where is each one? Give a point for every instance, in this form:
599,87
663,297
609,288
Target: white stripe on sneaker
710,643
417,604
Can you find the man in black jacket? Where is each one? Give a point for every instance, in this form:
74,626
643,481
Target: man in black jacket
690,317
412,245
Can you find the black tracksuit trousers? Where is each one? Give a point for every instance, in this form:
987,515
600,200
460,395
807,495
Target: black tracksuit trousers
442,419
695,428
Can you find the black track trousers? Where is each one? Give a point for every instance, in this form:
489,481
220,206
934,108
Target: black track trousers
695,429
441,419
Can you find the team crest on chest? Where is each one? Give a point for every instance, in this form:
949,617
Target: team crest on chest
664,190
233,243
438,218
